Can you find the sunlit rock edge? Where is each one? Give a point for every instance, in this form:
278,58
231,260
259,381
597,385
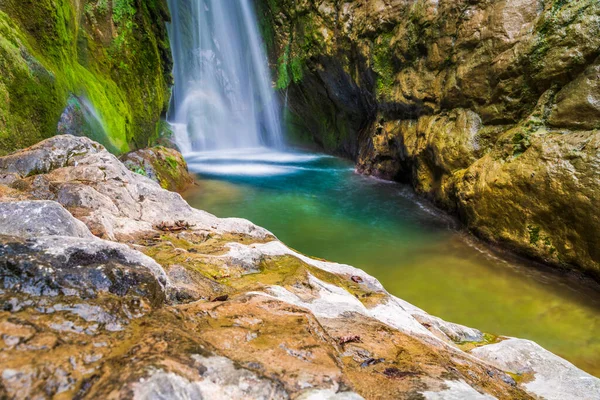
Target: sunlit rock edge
220,309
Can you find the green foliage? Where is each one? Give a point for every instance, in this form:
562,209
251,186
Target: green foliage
289,69
102,6
296,66
383,64
123,11
283,75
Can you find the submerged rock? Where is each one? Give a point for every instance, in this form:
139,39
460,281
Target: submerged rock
218,310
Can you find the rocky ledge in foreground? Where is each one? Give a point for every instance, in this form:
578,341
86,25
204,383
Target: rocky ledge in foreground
192,306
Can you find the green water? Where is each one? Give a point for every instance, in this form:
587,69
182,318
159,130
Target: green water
322,208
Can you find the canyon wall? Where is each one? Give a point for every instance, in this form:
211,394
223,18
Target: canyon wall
491,109
96,67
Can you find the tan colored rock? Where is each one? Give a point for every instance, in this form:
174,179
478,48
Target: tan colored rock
466,100
578,104
543,201
220,311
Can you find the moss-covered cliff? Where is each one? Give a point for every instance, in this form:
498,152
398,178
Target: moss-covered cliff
489,108
63,62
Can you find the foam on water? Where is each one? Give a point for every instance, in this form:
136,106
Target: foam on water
257,162
260,154
240,169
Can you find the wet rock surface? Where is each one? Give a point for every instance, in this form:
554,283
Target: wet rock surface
222,310
483,106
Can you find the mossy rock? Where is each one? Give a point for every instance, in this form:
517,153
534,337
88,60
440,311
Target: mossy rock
163,165
114,54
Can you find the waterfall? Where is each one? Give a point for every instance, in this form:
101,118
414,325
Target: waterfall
223,96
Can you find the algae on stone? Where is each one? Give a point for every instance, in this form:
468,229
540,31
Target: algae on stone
115,54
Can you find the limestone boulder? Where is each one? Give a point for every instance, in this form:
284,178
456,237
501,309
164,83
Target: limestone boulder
31,219
111,200
221,309
524,357
56,152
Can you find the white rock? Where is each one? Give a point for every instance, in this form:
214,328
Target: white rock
457,390
27,219
554,377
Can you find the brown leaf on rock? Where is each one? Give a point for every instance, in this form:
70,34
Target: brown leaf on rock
178,226
349,339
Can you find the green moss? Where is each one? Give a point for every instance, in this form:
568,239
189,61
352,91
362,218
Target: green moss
49,52
383,64
534,234
521,139
289,271
296,66
123,11
140,171
283,75
172,162
488,338
289,69
520,143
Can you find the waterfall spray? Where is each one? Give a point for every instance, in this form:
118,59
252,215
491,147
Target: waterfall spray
223,96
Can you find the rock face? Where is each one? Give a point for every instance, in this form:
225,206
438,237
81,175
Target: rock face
94,185
215,309
92,67
162,165
488,108
30,219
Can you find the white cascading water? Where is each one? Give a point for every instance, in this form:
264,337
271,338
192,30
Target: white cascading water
223,97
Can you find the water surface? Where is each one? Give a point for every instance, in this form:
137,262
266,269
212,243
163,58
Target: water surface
321,207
